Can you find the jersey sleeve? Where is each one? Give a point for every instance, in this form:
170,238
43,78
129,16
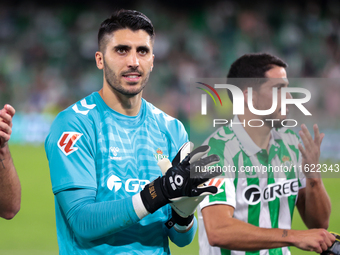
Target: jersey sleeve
178,137
91,220
225,183
183,239
70,150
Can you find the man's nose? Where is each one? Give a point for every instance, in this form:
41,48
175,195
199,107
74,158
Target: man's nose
288,95
133,60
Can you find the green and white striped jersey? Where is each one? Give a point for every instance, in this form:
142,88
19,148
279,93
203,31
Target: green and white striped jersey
261,186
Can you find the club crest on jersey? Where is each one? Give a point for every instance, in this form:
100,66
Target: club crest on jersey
286,162
285,158
159,155
67,141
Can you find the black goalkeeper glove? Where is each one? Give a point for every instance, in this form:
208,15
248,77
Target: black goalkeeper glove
179,220
177,182
335,248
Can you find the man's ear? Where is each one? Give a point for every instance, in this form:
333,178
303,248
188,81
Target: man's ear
245,97
254,98
99,60
153,58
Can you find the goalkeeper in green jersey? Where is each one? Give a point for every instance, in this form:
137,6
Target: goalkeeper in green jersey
254,212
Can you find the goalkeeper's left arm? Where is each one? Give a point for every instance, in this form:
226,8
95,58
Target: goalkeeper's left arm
183,224
182,239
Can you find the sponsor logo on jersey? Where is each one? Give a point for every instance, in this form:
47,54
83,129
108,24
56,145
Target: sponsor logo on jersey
114,182
114,153
159,155
85,105
253,193
132,185
67,141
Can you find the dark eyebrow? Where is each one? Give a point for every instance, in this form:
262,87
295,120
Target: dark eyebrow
122,47
145,48
279,85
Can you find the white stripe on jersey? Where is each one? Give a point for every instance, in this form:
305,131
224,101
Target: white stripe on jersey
264,213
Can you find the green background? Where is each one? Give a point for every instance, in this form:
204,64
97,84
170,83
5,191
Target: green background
32,231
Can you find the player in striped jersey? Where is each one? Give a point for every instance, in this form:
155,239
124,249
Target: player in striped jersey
103,153
254,213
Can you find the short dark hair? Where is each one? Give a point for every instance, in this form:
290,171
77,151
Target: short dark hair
123,19
253,65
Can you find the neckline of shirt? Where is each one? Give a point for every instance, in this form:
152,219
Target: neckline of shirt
125,120
247,144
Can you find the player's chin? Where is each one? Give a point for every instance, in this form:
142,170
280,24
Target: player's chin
132,83
282,117
133,90
282,122
279,116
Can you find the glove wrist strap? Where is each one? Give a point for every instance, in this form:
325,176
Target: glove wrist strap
153,197
176,219
183,229
139,206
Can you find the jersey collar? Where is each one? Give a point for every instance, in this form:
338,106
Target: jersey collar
246,143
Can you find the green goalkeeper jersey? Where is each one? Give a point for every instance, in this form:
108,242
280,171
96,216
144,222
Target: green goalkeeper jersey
262,186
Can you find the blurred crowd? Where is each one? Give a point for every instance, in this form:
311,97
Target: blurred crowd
47,52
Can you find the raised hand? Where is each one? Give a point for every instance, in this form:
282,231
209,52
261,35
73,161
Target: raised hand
177,183
6,116
311,150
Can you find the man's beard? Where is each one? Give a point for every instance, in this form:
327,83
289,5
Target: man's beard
114,82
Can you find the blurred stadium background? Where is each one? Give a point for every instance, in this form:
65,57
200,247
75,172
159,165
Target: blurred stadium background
47,63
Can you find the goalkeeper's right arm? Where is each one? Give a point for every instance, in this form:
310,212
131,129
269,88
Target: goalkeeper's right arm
91,220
